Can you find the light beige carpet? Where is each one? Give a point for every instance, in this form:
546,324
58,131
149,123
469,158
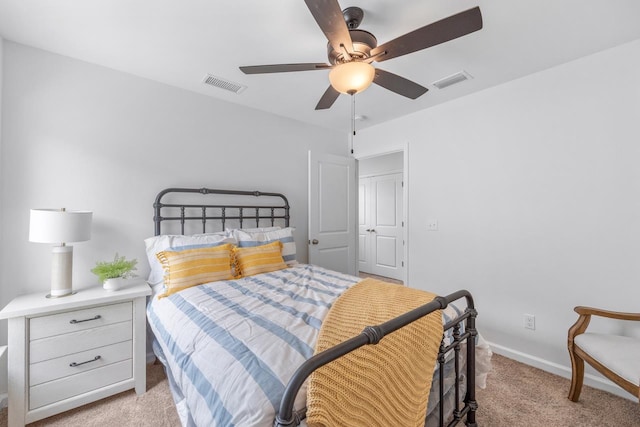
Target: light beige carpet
516,395
519,395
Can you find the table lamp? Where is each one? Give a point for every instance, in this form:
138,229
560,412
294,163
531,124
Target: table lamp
60,226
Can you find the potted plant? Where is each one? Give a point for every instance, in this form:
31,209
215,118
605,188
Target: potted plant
113,273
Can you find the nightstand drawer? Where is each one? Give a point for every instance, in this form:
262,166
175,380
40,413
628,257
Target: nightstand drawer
61,345
78,320
55,391
60,367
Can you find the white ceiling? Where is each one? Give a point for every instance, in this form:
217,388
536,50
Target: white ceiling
179,42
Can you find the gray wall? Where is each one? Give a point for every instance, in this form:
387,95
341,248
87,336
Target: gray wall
3,333
535,185
86,137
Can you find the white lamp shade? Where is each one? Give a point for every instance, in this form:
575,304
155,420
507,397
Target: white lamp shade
59,226
352,77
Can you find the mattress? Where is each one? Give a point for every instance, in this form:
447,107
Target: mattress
230,347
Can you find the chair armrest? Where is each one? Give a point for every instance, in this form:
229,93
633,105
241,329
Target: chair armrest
588,311
585,317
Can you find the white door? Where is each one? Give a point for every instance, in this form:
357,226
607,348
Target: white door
332,220
380,227
364,227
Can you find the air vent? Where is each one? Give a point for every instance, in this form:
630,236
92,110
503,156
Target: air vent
223,84
452,79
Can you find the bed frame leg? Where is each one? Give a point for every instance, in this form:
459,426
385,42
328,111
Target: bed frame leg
471,415
471,364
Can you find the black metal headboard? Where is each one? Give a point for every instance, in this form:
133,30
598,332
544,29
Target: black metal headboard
235,209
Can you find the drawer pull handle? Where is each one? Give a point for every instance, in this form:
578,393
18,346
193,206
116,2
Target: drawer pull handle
74,321
74,364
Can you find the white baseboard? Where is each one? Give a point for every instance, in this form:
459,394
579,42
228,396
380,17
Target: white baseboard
4,400
561,370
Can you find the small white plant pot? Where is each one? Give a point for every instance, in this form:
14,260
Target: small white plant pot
114,284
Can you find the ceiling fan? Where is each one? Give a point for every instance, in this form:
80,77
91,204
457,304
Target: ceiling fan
351,51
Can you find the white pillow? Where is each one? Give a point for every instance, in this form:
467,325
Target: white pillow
178,242
246,238
254,230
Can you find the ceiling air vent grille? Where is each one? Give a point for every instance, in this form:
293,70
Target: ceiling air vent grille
223,84
452,79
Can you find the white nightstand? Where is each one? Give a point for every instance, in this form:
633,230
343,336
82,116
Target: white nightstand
66,352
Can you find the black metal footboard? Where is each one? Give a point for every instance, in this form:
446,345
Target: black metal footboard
287,417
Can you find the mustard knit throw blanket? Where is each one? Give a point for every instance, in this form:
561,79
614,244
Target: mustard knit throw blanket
376,385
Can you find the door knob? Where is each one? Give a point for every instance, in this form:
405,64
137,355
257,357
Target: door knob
314,241
373,230
368,230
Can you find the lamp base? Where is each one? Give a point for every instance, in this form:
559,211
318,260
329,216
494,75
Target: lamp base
61,269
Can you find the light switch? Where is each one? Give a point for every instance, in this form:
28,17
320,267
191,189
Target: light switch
432,225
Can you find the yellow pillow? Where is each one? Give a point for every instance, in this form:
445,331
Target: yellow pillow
259,259
192,267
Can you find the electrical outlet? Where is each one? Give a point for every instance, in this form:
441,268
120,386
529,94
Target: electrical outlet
530,321
432,224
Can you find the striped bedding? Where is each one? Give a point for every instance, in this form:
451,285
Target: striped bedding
231,346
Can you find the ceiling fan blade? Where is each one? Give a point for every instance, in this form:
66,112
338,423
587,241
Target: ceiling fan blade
398,84
327,100
328,15
441,31
282,68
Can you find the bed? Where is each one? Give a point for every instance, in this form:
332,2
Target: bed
239,351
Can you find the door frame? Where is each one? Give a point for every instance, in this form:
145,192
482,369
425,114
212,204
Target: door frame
405,202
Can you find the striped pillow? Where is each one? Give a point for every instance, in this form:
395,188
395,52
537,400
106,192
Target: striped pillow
178,242
259,259
248,238
192,267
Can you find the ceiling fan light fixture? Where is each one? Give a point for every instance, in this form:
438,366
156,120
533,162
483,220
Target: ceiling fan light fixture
352,77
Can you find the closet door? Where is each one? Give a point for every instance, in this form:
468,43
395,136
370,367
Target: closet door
381,226
364,229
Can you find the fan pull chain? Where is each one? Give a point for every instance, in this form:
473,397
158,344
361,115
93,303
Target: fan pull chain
353,119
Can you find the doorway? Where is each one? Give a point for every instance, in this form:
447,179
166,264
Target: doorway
381,217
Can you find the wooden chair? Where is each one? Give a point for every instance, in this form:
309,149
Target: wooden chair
616,357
